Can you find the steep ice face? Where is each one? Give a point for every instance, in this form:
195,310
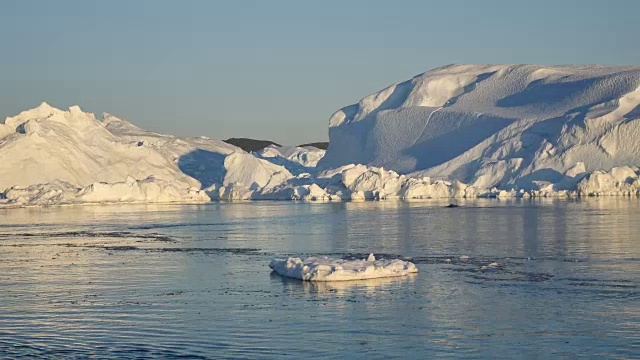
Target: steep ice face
504,125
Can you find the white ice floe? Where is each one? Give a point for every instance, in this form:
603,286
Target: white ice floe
493,265
328,269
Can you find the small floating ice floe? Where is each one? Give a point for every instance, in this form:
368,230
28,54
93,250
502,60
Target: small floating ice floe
464,258
328,269
493,265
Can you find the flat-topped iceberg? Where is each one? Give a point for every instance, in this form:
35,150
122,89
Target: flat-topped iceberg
328,269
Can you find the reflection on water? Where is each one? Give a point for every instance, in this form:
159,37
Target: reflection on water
342,288
169,281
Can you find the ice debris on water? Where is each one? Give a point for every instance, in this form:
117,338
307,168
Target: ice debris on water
328,269
493,265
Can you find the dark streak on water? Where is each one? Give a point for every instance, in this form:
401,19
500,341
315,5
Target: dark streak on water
88,234
193,281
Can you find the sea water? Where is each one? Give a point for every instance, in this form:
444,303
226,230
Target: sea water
193,281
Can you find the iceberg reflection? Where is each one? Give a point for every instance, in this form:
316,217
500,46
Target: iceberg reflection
342,288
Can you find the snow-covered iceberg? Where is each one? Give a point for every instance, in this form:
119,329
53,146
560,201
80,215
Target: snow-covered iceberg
460,131
505,126
328,269
45,144
49,156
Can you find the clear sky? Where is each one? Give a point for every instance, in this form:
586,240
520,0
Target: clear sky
277,69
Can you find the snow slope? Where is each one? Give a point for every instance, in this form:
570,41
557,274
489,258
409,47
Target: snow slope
212,162
511,126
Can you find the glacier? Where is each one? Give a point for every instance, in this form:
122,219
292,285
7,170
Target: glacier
460,131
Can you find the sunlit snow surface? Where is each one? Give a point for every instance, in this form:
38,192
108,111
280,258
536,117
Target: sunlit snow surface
328,269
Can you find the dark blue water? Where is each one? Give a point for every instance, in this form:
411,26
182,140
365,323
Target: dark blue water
193,281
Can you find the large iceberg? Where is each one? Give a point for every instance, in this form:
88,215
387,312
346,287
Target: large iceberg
506,126
149,190
460,131
50,156
45,144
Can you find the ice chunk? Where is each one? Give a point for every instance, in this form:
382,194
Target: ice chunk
491,266
328,269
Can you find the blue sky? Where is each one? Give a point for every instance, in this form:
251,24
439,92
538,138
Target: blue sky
277,69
